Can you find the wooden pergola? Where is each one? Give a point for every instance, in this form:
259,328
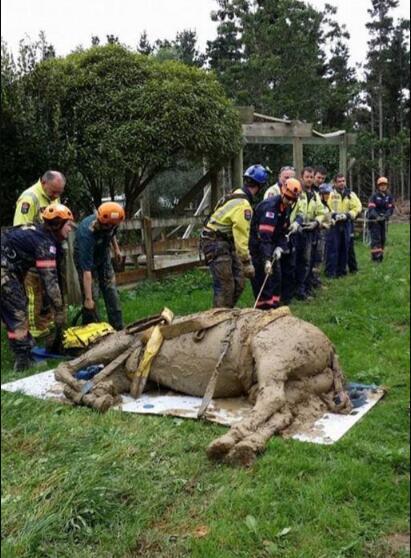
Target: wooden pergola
268,130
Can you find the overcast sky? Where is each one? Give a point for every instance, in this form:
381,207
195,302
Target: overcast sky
69,23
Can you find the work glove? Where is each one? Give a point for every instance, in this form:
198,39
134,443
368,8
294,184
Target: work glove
249,270
348,215
268,267
278,253
340,217
294,228
311,225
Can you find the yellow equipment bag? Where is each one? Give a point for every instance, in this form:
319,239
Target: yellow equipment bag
81,337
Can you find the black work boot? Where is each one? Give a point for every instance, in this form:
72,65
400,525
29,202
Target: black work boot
23,362
22,351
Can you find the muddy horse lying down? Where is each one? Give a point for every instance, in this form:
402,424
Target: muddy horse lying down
286,366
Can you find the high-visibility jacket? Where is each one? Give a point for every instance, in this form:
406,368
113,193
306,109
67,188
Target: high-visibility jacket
232,220
308,208
345,202
31,204
272,191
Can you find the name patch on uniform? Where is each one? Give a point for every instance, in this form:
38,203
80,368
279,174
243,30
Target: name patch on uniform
247,214
270,215
25,206
52,250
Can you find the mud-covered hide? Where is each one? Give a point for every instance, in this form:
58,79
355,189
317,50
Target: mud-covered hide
286,366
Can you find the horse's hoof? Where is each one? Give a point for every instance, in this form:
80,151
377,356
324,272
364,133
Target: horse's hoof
218,449
241,455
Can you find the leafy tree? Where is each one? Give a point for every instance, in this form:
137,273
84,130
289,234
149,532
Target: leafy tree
122,118
144,46
272,55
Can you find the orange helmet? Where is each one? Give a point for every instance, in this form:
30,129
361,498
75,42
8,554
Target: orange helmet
57,211
292,188
110,213
382,180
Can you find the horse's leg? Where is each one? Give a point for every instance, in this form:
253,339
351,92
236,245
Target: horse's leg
102,353
245,451
270,399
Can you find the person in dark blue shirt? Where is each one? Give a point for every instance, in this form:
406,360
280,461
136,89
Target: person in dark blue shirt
380,209
268,241
92,257
22,248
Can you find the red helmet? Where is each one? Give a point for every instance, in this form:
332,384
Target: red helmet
110,213
292,188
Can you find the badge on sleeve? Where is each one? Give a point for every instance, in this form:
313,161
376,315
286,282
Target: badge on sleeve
270,215
25,206
52,249
247,214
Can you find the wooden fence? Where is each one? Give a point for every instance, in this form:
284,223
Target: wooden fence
151,248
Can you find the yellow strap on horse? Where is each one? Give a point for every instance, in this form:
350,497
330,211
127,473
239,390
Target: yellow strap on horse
80,337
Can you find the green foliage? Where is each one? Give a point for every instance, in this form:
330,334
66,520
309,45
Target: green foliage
273,55
76,483
117,119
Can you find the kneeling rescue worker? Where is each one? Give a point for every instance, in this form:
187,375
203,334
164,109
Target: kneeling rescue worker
225,237
22,248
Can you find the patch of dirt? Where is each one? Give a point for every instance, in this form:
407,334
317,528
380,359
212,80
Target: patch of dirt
399,542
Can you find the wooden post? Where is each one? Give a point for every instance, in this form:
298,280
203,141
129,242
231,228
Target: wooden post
216,187
343,155
298,155
237,166
148,245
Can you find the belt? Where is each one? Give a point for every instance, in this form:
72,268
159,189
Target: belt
214,235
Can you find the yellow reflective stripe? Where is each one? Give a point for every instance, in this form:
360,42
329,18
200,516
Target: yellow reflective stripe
31,296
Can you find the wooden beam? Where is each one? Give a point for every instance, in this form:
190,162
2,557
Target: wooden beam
192,193
148,245
343,154
238,170
289,141
277,130
214,194
298,155
135,224
134,275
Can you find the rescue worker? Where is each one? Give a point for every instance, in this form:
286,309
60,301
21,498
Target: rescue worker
92,257
33,201
23,248
29,209
225,238
284,174
380,209
311,214
320,174
345,207
325,191
268,241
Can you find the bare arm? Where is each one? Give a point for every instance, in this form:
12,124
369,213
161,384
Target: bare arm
88,291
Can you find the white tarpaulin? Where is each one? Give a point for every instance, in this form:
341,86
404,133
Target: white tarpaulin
327,430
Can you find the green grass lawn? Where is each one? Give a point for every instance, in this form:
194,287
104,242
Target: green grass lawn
79,484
